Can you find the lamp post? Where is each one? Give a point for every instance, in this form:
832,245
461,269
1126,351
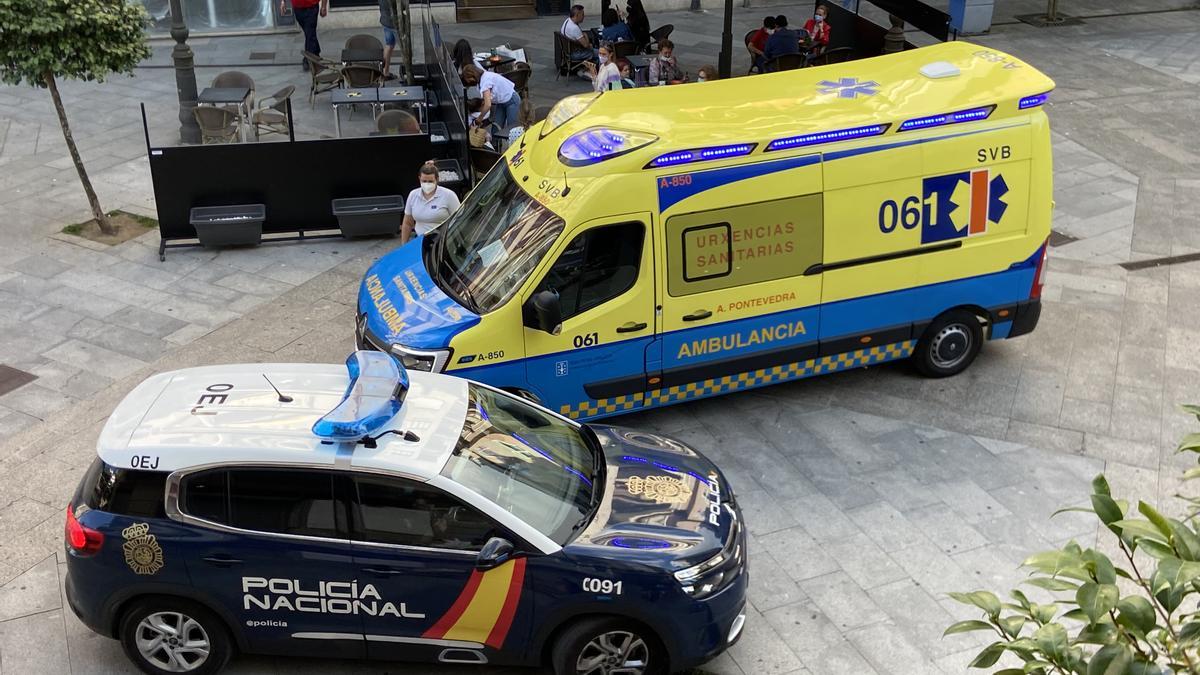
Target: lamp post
725,59
185,77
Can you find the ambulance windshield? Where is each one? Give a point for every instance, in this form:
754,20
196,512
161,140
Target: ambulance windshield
484,253
536,466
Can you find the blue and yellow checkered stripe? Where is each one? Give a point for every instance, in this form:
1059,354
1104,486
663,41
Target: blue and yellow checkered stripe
747,380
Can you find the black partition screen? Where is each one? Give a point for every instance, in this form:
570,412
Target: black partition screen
297,181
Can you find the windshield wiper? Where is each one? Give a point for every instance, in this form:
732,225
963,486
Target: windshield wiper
439,257
462,280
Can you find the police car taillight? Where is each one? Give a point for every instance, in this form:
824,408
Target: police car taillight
1039,276
82,540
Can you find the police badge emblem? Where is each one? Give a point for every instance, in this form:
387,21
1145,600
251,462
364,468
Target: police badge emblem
662,489
142,552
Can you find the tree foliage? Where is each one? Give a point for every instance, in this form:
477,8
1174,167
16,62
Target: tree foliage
1093,627
73,39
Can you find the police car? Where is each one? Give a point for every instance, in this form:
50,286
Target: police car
355,512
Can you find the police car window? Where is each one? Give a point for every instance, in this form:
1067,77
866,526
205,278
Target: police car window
267,500
744,244
126,492
534,465
394,511
597,266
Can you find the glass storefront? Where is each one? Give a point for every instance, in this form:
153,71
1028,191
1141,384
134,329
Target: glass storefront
214,15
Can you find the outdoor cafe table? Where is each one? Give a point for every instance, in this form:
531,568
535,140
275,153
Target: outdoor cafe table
238,96
641,67
342,97
495,61
414,96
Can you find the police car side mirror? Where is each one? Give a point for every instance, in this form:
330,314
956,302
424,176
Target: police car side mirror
544,312
494,553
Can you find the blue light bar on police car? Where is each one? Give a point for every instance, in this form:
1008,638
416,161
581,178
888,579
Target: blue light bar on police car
702,154
971,115
599,144
1032,101
377,386
826,137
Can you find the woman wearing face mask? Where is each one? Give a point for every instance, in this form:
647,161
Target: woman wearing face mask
707,74
428,206
607,72
818,29
665,69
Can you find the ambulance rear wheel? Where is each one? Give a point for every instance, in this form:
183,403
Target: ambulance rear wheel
164,635
607,646
949,345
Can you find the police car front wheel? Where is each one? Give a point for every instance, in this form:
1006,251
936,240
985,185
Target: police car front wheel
607,646
949,345
166,635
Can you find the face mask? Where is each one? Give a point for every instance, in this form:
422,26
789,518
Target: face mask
701,78
603,59
664,57
818,18
428,188
770,31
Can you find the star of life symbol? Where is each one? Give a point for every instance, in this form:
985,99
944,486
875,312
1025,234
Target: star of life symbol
142,552
662,489
560,368
849,87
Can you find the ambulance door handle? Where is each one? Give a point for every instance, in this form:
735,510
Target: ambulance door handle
631,326
221,560
697,315
381,571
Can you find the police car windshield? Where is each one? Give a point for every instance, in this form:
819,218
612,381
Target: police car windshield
487,249
534,465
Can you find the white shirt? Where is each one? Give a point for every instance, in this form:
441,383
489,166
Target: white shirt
607,73
571,30
501,87
429,213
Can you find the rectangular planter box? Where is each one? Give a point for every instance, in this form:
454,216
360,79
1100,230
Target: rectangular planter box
368,216
438,134
237,225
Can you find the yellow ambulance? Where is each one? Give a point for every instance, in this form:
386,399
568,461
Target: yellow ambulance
648,246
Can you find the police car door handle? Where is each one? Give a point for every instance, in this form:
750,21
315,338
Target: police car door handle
697,315
631,326
221,560
382,571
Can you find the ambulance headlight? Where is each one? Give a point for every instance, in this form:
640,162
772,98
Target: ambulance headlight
428,360
565,110
598,144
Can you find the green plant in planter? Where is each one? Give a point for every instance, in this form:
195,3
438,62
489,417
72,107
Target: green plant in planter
1093,627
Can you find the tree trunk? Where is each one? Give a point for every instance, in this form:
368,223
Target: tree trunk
98,213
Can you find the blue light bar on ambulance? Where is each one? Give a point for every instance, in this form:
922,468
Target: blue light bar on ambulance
1032,101
826,137
972,115
702,154
377,387
598,144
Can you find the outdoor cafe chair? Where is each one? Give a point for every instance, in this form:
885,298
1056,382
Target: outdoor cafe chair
624,48
358,76
234,79
753,61
658,35
564,62
397,122
785,62
835,55
326,76
272,114
217,125
363,41
520,79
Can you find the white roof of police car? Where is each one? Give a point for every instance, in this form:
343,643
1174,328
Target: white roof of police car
230,414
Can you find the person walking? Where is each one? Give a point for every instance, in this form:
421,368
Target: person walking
306,12
387,19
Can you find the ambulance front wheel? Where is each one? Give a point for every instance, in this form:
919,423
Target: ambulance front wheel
171,635
949,345
607,646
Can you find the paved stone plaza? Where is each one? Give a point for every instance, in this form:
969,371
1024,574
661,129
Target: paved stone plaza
868,494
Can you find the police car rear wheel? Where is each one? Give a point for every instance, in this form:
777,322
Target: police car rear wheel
174,636
607,647
949,345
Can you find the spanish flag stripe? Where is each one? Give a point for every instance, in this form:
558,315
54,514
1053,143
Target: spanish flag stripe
480,616
495,639
438,630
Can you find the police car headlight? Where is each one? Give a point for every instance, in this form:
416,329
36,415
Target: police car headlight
429,360
714,574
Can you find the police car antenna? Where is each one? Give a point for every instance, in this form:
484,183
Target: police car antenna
282,397
371,441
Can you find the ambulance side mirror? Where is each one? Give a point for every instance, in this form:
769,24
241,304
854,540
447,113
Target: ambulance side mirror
544,312
494,553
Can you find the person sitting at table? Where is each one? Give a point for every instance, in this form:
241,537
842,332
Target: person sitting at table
818,29
614,29
638,22
606,72
500,97
783,41
665,69
626,70
581,46
758,42
461,55
707,74
428,206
